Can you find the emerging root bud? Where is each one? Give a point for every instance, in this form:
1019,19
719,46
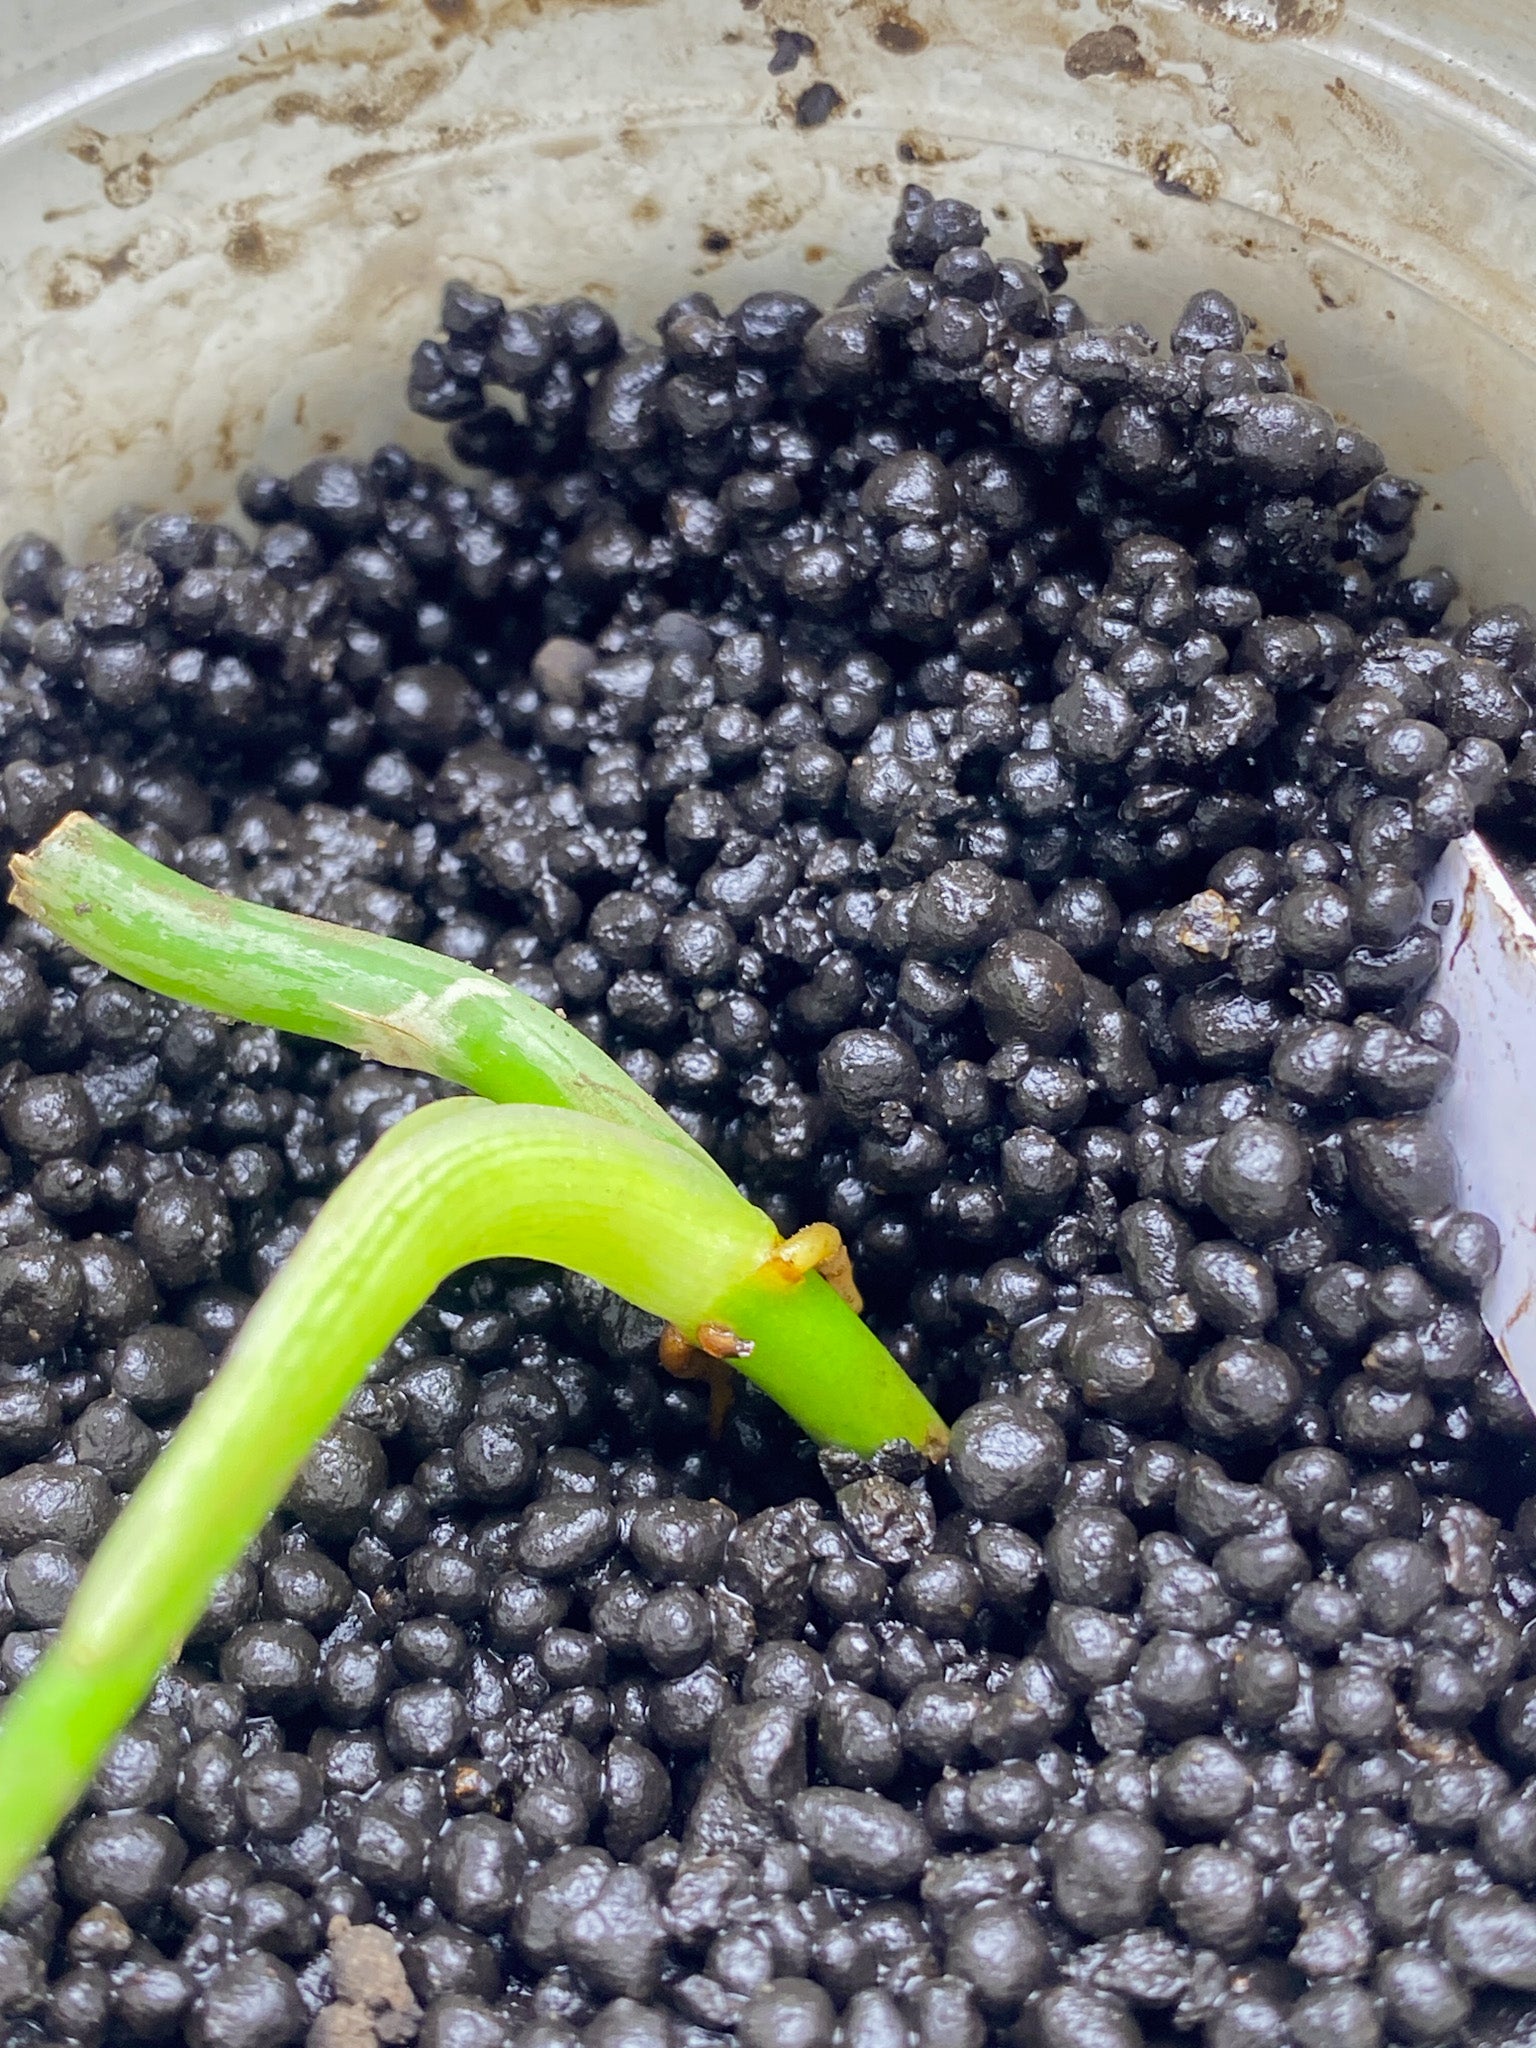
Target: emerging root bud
676,1353
837,1270
699,1361
817,1248
720,1341
713,1348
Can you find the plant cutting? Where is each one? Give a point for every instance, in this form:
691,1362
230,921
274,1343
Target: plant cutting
570,1162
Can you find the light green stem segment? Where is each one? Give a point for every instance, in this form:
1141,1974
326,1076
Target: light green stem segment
455,1182
400,1004
410,1007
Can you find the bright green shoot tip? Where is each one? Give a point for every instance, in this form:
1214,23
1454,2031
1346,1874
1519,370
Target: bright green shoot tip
586,1172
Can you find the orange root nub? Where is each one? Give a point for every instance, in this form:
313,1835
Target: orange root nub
677,1354
804,1252
687,1361
722,1392
720,1341
707,1355
818,1248
837,1271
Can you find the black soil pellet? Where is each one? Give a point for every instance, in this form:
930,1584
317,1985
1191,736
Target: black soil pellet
978,769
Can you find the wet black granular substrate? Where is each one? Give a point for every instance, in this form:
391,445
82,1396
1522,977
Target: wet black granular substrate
977,769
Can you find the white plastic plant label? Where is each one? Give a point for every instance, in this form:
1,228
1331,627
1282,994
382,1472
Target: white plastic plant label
1487,981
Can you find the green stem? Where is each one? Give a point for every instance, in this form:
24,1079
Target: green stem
400,1004
457,1181
410,1007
